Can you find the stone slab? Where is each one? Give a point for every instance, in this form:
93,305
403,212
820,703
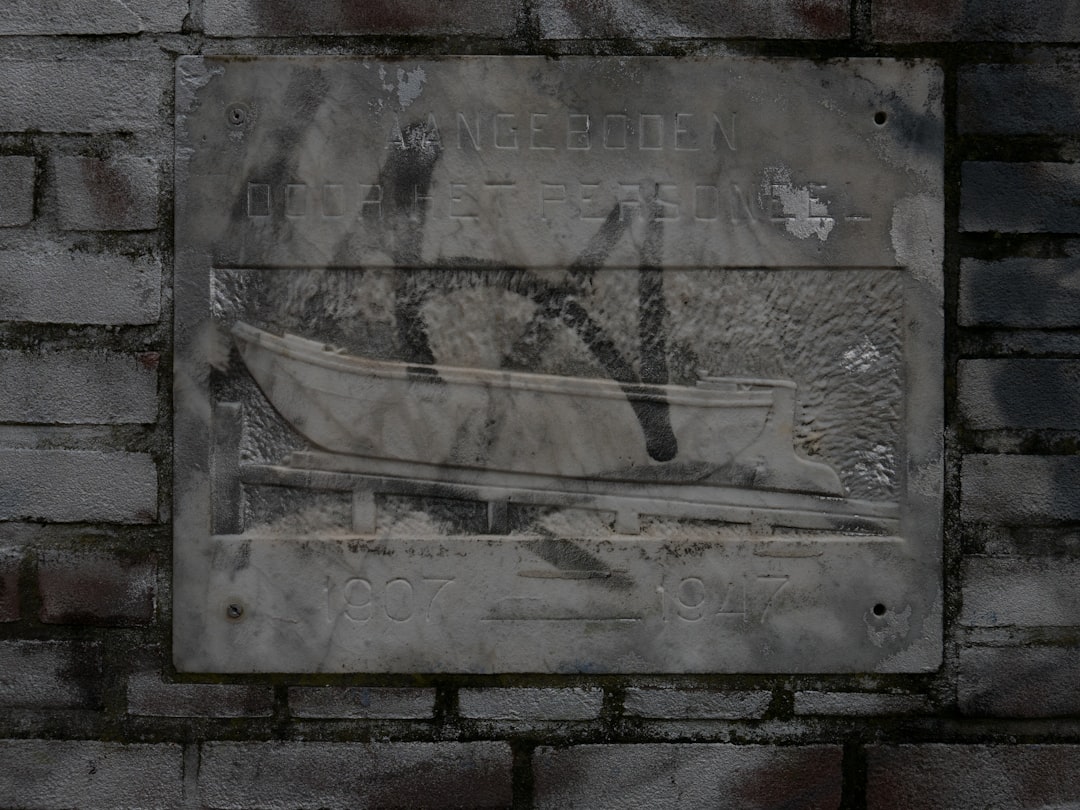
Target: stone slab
78,387
695,704
59,774
53,284
1020,292
342,776
231,18
1019,197
530,704
75,486
1029,99
632,19
552,365
976,20
1019,681
30,17
16,190
362,702
85,95
1008,777
687,775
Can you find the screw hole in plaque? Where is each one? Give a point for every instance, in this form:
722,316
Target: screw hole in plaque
880,117
879,609
237,114
234,611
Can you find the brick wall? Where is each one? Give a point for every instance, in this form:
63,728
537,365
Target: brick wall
91,713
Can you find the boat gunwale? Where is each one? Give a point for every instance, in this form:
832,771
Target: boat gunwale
321,354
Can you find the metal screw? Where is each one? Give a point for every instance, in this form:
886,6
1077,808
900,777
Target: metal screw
234,611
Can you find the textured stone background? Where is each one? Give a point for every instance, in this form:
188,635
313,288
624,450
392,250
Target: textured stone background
93,716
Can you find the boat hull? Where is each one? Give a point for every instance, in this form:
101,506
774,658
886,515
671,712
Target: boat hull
727,431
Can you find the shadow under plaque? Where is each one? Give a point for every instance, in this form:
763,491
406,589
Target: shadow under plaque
508,364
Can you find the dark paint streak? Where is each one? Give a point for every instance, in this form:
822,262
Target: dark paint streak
408,173
407,177
566,555
655,417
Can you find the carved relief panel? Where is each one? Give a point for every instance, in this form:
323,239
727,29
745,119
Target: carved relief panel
581,365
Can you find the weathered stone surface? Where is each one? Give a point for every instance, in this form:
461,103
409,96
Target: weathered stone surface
1026,293
78,387
976,20
1032,99
1025,393
1005,777
361,702
1020,490
119,194
10,561
695,704
95,588
16,190
1019,681
49,675
1017,591
90,95
518,293
77,485
739,777
90,775
530,704
54,285
859,704
148,694
771,19
1020,197
343,776
231,18
24,17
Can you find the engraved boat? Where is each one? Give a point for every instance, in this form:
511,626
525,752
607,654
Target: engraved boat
368,414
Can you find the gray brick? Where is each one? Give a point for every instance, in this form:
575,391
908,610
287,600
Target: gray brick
976,20
1020,490
16,190
859,704
59,774
1037,99
695,704
119,194
49,675
77,485
21,17
1019,682
1002,777
149,695
82,95
1020,393
765,19
230,18
1027,293
740,777
349,775
55,285
530,704
362,702
1020,197
10,561
1015,591
77,387
84,587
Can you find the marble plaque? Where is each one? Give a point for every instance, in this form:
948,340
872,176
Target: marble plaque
577,365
